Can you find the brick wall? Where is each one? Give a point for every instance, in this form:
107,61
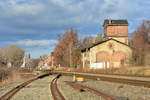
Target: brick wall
116,31
119,33
102,56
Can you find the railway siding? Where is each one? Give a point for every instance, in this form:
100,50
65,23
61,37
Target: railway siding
57,95
7,88
120,91
37,90
117,79
105,75
72,94
41,89
91,90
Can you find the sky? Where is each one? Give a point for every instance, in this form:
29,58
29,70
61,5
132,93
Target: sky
36,24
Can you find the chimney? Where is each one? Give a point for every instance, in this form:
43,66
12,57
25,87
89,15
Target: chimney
109,20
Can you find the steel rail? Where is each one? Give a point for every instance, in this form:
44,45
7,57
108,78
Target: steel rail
12,92
117,79
91,90
56,94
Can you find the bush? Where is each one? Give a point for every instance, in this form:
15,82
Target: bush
4,74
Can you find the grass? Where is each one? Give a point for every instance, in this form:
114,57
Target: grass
131,71
9,75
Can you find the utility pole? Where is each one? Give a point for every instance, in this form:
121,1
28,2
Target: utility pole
52,59
70,50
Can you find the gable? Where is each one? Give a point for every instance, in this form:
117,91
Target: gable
110,47
102,42
110,41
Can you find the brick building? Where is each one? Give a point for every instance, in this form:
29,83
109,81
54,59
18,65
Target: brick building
113,51
47,61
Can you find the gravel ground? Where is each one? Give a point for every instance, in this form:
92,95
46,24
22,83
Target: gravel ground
120,91
10,86
72,94
38,90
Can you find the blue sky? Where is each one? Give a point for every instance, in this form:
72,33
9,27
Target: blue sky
36,24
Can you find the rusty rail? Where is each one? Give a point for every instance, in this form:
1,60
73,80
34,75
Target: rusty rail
133,82
57,95
12,92
86,88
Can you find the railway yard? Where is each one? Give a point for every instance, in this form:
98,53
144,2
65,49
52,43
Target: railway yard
62,86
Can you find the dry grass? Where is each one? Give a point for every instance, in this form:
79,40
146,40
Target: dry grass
9,75
132,71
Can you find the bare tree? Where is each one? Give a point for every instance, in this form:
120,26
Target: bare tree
76,55
11,54
87,41
63,49
141,43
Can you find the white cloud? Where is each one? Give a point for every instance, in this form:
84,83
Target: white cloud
36,16
33,42
28,9
58,14
16,7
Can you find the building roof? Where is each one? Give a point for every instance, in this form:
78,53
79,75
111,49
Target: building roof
111,22
88,48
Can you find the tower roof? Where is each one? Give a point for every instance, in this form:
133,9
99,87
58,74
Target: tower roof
110,22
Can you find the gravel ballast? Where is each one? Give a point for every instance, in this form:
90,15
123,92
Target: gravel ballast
37,90
8,87
120,91
40,90
72,94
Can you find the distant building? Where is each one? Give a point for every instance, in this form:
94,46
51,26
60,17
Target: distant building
47,61
114,51
26,60
9,64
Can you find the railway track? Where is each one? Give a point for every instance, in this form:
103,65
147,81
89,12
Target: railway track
12,92
57,95
91,90
110,79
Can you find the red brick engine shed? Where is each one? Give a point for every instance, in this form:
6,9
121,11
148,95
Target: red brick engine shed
113,51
